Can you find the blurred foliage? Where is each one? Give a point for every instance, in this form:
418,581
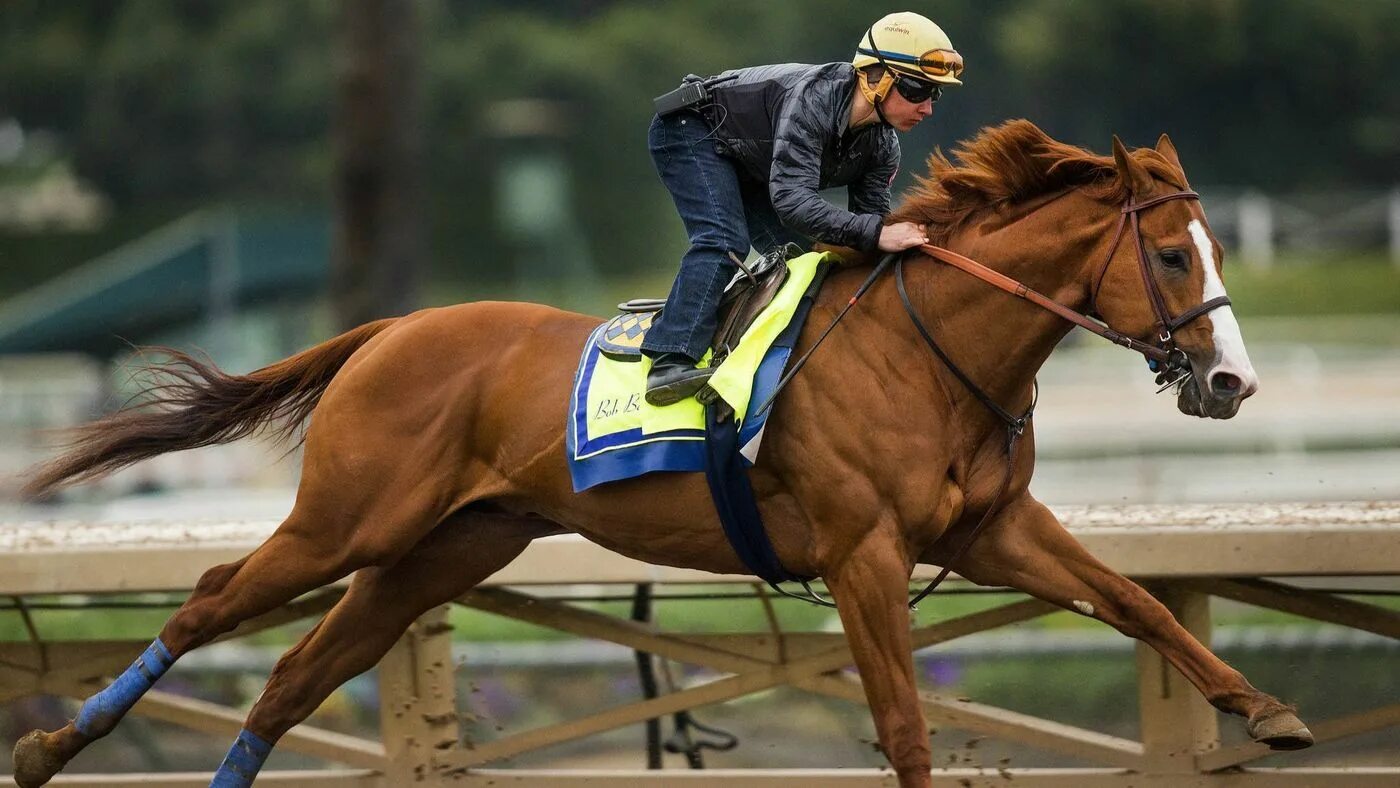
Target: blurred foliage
188,102
1324,286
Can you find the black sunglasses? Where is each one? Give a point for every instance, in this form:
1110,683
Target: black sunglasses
917,91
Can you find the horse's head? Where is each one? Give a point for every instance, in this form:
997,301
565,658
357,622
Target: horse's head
1180,259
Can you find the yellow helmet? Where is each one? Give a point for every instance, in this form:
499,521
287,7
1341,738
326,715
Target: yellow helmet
910,44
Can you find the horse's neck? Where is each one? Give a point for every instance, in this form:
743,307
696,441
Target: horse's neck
1001,341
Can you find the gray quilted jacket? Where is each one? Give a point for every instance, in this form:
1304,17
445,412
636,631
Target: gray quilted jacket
786,125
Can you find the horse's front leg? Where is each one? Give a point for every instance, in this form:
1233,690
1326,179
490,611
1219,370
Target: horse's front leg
1028,549
871,589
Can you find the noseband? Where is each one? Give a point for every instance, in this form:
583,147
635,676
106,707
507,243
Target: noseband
1166,324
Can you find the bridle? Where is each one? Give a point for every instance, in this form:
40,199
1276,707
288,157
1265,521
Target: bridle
1166,324
1164,358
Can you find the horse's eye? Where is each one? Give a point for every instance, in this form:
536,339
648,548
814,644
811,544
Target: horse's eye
1175,258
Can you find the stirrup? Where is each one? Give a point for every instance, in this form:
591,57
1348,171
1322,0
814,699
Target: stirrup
641,305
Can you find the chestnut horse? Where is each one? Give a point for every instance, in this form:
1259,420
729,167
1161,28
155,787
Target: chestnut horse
435,449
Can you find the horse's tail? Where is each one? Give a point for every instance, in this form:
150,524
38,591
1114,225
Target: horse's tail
193,403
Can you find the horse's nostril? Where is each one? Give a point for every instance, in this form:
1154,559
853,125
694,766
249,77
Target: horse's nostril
1225,384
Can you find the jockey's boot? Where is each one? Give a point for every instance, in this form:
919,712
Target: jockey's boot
673,377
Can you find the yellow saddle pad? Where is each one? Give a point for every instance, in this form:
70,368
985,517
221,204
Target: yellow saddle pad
614,433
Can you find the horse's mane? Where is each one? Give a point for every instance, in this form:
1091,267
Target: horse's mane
1007,164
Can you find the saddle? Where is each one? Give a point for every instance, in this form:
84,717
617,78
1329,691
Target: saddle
752,289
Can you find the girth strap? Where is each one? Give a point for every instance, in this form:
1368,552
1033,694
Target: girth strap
737,507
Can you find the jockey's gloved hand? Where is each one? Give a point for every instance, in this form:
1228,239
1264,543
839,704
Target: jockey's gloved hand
902,235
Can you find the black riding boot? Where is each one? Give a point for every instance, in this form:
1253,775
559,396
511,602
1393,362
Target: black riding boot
673,377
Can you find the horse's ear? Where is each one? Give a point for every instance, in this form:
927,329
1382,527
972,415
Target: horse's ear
1132,172
1168,152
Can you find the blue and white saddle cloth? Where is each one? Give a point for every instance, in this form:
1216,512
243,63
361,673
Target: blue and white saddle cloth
614,434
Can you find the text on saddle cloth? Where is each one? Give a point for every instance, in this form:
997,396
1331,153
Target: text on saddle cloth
614,434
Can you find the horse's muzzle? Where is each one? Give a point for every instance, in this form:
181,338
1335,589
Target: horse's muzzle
1219,402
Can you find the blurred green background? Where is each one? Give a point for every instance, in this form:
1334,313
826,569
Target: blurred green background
167,106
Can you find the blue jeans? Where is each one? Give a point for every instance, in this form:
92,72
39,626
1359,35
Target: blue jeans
722,213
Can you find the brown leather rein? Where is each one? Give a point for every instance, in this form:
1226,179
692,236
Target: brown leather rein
1165,353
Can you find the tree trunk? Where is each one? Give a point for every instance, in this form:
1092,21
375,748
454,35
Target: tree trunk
378,248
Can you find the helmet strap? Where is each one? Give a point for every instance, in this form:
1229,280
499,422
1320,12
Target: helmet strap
877,94
881,113
879,90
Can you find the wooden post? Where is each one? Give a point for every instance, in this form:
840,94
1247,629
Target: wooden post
1392,221
1177,722
1256,230
417,702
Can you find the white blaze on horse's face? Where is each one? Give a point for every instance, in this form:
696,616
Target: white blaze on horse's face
1231,375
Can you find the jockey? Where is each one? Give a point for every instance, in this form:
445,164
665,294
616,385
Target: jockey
746,153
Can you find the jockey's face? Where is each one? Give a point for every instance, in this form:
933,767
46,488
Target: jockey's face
903,114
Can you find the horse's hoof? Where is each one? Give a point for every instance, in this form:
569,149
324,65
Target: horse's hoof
1281,730
36,761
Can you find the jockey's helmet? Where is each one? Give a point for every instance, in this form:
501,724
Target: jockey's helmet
910,45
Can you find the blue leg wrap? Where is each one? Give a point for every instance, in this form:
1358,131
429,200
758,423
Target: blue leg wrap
101,712
244,759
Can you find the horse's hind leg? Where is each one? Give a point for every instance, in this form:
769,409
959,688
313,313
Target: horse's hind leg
1030,550
319,543
380,605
